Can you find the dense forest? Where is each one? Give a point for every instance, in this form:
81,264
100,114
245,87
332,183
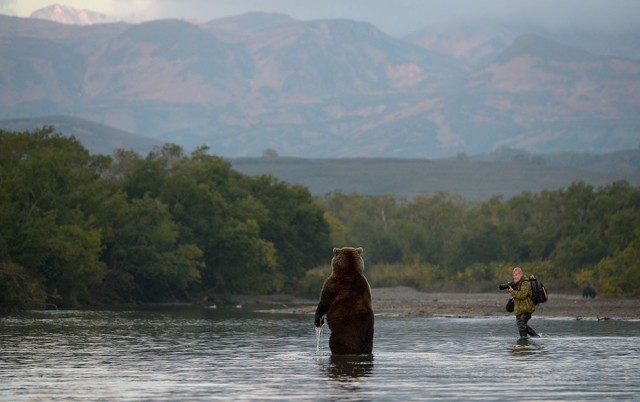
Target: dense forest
77,228
568,238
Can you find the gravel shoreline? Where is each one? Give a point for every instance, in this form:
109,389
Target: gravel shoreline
406,301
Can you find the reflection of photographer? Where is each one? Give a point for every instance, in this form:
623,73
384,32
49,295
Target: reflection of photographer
523,307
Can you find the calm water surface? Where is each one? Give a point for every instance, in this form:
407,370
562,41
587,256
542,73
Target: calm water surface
203,354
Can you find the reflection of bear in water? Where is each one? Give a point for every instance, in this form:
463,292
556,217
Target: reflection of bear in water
346,301
589,291
347,368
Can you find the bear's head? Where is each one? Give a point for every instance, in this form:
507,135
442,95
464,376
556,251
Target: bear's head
347,261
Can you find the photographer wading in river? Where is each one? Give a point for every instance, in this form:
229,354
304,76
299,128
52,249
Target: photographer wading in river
520,290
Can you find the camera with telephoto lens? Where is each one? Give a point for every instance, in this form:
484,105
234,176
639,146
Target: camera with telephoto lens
507,285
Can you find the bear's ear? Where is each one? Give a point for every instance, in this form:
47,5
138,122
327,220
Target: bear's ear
336,251
359,250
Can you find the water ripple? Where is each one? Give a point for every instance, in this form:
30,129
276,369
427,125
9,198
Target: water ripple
188,354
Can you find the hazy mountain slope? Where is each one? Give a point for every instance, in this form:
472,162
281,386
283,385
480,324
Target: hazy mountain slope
478,42
325,88
246,26
168,60
545,96
38,75
97,138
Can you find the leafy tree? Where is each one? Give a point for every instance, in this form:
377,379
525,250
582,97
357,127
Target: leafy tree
369,224
142,242
426,227
623,228
19,289
294,224
249,262
620,275
215,213
43,223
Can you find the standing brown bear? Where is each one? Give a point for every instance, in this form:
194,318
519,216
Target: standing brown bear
346,301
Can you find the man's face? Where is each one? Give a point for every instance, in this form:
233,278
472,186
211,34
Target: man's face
517,274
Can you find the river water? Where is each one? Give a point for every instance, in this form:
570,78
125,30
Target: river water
235,354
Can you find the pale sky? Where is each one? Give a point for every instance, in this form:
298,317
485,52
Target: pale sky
395,17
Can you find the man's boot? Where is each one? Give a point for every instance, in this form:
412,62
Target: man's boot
532,333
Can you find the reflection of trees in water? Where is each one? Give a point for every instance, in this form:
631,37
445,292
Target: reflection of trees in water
349,367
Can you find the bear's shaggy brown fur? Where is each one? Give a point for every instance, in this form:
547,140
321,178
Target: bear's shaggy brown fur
346,301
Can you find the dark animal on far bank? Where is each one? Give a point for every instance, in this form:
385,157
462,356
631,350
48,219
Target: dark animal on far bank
589,292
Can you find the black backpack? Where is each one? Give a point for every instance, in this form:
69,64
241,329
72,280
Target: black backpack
538,291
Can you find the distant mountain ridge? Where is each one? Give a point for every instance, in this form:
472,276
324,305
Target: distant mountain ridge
325,88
